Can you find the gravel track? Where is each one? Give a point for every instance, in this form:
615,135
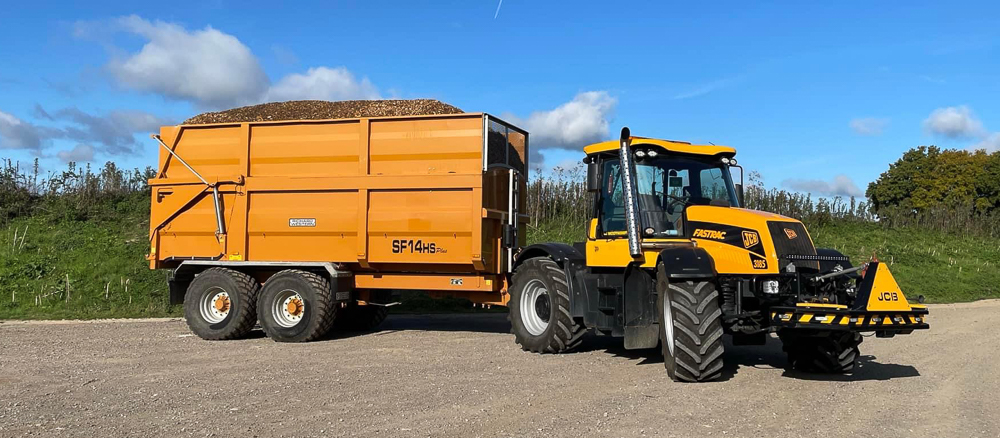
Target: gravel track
462,375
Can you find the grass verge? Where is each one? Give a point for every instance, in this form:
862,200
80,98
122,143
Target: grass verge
95,268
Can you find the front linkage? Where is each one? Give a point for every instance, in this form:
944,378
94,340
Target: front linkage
825,336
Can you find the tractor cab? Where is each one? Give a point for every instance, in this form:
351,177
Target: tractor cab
669,176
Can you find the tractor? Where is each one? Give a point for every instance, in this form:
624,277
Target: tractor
673,260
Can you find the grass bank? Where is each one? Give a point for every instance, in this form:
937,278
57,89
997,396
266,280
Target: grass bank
67,267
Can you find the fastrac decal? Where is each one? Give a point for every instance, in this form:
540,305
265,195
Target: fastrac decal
709,234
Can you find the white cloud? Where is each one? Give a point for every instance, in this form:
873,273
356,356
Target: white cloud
205,66
989,144
213,69
585,119
842,185
18,134
322,83
868,125
954,122
114,131
79,153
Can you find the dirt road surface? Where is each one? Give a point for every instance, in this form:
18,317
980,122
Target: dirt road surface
462,375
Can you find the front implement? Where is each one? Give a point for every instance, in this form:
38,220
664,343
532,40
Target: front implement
879,306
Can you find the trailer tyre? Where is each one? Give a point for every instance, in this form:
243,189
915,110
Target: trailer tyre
539,308
690,329
296,306
220,304
360,318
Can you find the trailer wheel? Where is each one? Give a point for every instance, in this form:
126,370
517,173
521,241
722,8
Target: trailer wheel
360,318
691,333
220,304
539,308
831,352
296,306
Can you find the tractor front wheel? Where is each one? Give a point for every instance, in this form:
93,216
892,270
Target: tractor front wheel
690,329
828,352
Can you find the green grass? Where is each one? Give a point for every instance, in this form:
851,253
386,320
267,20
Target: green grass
108,250
943,267
92,255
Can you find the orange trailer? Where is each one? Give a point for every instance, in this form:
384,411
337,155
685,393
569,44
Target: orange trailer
336,214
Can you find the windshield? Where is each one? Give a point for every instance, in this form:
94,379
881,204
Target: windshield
666,185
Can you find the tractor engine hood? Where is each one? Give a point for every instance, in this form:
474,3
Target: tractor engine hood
744,241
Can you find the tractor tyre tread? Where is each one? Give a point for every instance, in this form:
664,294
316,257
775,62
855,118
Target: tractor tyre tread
563,333
697,335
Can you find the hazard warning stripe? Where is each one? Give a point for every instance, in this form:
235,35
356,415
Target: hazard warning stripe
875,319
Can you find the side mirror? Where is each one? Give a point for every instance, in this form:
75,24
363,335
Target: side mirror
593,176
739,194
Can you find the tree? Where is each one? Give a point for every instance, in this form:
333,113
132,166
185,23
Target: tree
928,177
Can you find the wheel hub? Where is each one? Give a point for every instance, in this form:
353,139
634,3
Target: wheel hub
288,308
294,307
542,307
222,303
535,308
215,305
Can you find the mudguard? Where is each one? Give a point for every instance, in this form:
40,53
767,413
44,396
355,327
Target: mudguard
558,252
687,263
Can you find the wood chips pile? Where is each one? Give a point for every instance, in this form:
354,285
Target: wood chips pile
321,109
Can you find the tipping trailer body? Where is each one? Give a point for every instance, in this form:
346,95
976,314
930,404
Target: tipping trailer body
416,202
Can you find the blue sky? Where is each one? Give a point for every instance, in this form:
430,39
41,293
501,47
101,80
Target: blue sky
817,98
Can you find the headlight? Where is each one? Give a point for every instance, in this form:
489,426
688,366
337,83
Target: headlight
640,153
770,286
652,153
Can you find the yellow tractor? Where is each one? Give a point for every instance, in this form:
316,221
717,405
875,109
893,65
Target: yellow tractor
671,259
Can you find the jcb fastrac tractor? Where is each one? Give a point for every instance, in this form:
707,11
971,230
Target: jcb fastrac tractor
672,260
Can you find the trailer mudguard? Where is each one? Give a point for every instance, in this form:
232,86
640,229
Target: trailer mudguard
687,263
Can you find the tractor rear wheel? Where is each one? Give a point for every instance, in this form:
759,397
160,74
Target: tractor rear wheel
296,306
831,352
690,329
360,318
220,304
539,308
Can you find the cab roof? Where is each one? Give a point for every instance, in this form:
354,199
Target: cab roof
681,147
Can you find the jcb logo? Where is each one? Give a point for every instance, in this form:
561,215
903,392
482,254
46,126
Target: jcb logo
750,238
710,234
888,296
